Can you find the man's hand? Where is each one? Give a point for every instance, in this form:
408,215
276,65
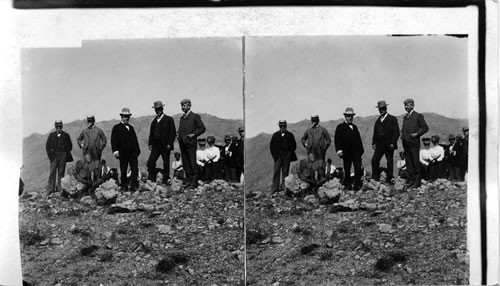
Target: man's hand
413,135
374,146
169,147
190,135
116,154
391,146
150,147
340,153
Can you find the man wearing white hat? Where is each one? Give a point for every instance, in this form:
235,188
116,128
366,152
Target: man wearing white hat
316,139
125,147
384,141
160,142
92,141
58,149
350,148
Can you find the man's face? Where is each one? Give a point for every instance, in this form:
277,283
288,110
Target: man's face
90,123
382,110
186,107
314,122
452,140
125,119
282,128
59,128
349,118
242,134
159,111
409,106
466,133
177,157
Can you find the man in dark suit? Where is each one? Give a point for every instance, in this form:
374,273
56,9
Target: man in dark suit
58,149
161,142
190,127
282,147
125,147
241,152
414,126
350,148
384,142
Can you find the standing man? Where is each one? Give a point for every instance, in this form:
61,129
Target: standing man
125,147
58,149
282,147
316,139
190,127
350,148
241,152
465,153
160,142
92,141
414,126
384,141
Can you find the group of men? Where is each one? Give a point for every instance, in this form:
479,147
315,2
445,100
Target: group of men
349,147
125,147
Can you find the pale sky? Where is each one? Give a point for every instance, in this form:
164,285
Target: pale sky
103,76
292,78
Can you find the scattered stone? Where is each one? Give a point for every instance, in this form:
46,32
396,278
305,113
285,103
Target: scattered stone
277,240
330,192
386,228
308,248
165,229
107,193
399,184
311,199
56,241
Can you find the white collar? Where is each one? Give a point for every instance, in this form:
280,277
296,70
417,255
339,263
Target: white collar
383,117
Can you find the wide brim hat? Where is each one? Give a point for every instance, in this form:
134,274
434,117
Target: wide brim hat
381,104
349,111
125,112
158,104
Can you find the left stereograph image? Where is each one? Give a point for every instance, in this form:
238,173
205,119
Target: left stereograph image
133,163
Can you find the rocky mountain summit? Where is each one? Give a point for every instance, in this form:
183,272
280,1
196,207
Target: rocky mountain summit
159,235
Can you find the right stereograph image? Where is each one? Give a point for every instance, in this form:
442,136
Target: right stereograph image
356,160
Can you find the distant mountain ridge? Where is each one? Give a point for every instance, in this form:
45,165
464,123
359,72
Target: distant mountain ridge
35,171
259,164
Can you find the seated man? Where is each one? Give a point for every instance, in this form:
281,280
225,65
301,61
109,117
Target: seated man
401,165
177,167
330,169
312,172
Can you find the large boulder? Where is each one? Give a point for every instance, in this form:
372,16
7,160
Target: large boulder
176,185
399,184
107,193
329,193
70,186
295,185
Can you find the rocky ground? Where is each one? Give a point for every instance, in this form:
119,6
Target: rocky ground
379,235
157,236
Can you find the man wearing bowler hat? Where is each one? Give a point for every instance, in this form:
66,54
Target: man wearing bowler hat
316,139
384,141
92,141
414,126
125,147
350,148
190,127
160,142
58,149
282,147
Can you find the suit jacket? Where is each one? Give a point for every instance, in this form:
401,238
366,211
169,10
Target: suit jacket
124,140
85,137
386,133
324,140
348,140
413,124
190,124
51,144
167,131
277,142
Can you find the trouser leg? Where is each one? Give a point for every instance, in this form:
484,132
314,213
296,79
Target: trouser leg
134,171
52,176
153,157
123,171
165,155
61,168
377,155
389,156
191,154
347,170
276,174
285,167
357,170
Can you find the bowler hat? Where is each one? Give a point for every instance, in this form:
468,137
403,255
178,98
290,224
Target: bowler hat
282,123
158,104
408,100
125,112
349,111
90,118
58,123
184,101
381,104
